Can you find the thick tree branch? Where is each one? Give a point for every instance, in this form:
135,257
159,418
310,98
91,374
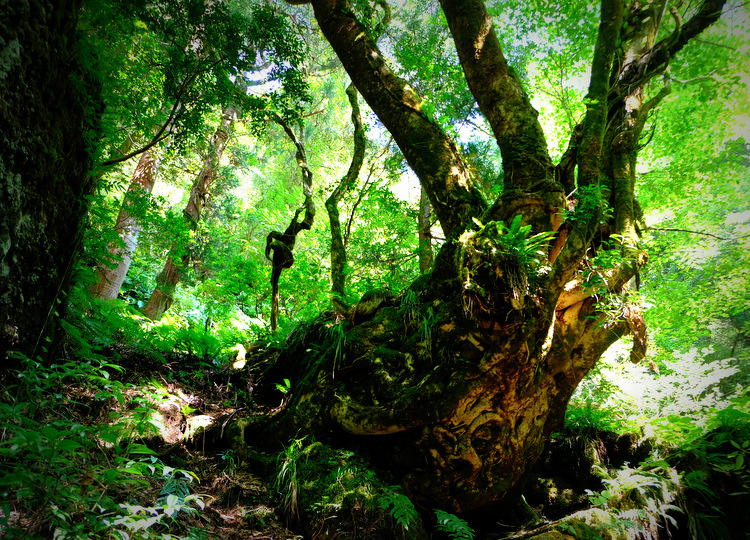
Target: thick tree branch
429,151
656,61
500,96
590,147
338,249
594,123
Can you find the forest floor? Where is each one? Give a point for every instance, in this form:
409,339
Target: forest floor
167,418
181,410
177,418
191,408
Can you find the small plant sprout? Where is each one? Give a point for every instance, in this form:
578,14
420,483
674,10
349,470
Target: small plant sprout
284,387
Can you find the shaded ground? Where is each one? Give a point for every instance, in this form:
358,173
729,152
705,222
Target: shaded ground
189,417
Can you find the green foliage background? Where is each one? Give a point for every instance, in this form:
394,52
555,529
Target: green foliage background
693,186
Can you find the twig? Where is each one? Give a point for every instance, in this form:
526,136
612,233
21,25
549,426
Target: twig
716,44
672,229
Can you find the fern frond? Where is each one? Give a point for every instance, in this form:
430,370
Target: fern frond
401,508
456,527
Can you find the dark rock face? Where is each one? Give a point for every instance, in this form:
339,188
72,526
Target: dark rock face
46,107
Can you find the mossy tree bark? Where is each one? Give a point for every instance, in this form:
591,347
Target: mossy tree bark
44,167
457,384
338,243
424,233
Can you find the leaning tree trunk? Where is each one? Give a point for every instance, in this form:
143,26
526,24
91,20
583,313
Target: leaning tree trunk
44,167
457,384
166,282
111,273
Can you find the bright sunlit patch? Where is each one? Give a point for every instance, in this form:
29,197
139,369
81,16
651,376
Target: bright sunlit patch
460,177
632,103
737,217
239,362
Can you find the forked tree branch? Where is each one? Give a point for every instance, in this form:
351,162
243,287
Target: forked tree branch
432,155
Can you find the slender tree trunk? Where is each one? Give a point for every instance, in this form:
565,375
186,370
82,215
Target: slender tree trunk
338,247
111,272
163,295
282,244
424,233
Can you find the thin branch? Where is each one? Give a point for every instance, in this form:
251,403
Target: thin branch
716,44
173,115
651,104
137,152
650,137
709,77
301,156
707,14
723,238
160,136
308,115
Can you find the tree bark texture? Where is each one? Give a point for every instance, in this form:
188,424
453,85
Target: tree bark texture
432,155
111,273
457,383
162,297
338,247
424,233
44,167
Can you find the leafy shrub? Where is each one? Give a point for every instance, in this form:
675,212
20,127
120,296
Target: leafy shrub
400,506
63,477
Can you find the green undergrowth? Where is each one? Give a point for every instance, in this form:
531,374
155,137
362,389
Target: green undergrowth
64,476
329,489
97,326
70,470
320,488
696,480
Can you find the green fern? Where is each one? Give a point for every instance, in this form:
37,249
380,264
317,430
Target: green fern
456,527
401,508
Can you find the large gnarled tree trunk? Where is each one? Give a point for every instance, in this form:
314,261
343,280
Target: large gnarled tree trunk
458,383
